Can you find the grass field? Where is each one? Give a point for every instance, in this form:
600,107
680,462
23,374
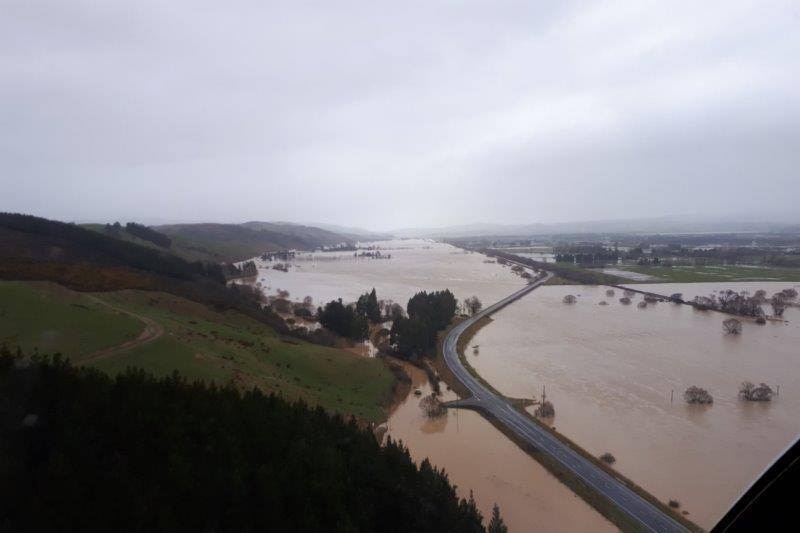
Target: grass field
198,342
689,274
47,317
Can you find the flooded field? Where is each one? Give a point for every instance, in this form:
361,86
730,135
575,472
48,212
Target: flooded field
415,265
478,457
475,455
610,370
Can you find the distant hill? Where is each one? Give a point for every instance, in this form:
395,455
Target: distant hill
664,225
25,238
359,234
33,248
237,242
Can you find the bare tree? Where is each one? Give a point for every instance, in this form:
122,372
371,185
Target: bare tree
732,326
473,305
697,395
545,410
778,305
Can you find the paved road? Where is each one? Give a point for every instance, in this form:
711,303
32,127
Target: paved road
640,510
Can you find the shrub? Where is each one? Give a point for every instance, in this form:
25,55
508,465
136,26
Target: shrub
749,392
697,395
608,458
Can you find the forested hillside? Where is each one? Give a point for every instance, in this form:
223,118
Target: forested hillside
237,242
80,451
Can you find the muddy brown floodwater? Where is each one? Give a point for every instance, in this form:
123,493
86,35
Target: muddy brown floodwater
478,457
609,371
415,265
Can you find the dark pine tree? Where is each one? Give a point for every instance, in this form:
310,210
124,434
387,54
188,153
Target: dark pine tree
496,524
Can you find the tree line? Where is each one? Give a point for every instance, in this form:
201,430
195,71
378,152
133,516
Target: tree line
428,313
413,333
82,451
81,244
141,231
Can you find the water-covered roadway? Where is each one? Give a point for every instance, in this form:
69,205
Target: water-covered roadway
626,500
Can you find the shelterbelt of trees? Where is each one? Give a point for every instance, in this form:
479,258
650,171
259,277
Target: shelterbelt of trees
81,451
413,333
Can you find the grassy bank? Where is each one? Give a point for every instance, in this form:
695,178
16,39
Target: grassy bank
197,341
692,274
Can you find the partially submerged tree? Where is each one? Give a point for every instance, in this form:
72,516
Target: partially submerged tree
760,296
545,410
749,392
697,395
625,300
608,458
432,406
732,326
610,292
570,299
641,305
778,303
789,294
473,305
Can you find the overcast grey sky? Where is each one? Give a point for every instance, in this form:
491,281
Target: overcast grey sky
397,114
